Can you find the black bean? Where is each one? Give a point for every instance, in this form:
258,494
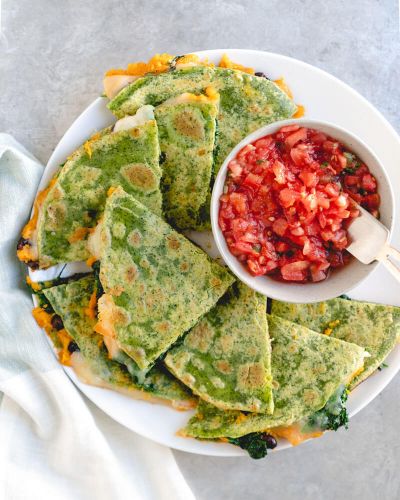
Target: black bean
163,157
73,347
57,322
22,242
270,440
261,74
33,264
92,213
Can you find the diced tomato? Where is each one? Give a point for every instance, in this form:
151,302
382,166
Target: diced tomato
235,168
368,183
288,197
289,128
295,271
252,180
238,201
288,202
280,226
295,137
371,201
310,179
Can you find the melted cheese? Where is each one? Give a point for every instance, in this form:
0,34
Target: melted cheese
225,62
113,84
90,310
43,319
106,315
211,96
143,115
79,234
294,434
29,252
94,244
35,286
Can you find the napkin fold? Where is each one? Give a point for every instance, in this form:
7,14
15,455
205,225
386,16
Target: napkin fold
53,442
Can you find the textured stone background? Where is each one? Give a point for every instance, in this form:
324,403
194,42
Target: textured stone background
52,56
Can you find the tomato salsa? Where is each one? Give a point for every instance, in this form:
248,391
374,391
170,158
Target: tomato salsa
287,203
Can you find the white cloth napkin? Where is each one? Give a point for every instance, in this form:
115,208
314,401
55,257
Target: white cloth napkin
52,445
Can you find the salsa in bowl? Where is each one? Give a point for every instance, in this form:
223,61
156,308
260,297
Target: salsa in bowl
282,203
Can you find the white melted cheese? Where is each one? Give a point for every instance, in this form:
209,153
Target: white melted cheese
94,241
143,115
113,84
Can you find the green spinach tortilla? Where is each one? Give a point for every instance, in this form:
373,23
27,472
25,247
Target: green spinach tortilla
226,358
307,369
375,327
70,302
157,284
187,128
75,202
247,102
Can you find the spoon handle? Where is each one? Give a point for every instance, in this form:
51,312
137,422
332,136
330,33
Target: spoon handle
390,258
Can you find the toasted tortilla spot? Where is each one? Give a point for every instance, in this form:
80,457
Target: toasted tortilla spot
188,379
162,327
116,290
135,132
250,376
141,176
187,123
131,274
134,238
184,267
200,338
223,366
173,242
215,281
226,343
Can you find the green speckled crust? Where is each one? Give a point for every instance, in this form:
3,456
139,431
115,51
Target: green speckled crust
226,358
374,327
186,135
69,302
158,282
127,158
247,102
307,368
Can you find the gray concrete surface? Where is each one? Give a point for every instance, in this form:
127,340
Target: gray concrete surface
52,56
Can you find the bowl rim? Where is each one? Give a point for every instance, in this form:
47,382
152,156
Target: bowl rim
232,262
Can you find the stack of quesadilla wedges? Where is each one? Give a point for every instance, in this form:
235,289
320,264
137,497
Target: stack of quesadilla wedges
155,317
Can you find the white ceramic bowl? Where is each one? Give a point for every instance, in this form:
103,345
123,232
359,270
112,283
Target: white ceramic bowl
342,279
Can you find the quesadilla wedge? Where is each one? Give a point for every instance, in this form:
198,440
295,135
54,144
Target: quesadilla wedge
186,127
156,283
66,212
375,327
247,102
73,312
226,358
307,370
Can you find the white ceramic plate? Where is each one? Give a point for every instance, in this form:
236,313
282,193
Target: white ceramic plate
325,98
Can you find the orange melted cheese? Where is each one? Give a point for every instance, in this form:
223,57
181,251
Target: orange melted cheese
79,234
225,62
90,310
43,319
88,144
294,434
35,286
91,261
29,252
281,83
